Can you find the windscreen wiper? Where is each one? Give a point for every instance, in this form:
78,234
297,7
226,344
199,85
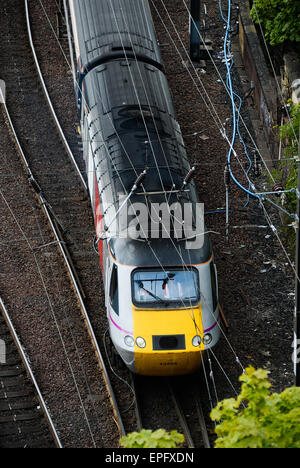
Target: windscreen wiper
141,286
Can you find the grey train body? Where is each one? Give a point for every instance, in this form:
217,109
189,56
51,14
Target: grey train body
128,125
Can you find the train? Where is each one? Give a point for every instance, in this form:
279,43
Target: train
158,270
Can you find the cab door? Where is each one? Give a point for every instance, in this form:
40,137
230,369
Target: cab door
111,287
113,295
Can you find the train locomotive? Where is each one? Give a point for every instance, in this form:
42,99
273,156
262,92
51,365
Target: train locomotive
161,297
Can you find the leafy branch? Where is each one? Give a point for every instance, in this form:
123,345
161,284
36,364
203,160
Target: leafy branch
149,439
256,418
280,19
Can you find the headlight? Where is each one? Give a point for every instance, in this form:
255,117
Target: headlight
129,341
207,339
196,341
141,343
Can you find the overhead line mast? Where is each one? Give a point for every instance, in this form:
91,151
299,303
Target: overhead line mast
297,292
194,30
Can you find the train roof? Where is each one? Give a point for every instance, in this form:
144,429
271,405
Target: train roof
158,252
120,122
106,28
134,126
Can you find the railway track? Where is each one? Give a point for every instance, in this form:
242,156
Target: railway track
24,419
13,246
175,400
191,434
189,410
45,298
124,395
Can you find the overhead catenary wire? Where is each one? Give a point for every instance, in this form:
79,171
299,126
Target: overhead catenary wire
186,181
235,110
188,176
52,311
58,41
269,221
227,58
274,73
33,251
227,91
199,79
216,116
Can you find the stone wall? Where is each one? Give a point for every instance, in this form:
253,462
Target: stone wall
265,89
291,77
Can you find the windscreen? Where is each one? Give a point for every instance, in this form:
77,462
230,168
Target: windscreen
155,287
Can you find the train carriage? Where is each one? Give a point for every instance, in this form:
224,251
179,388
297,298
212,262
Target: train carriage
161,297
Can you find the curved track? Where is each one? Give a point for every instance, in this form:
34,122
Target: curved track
31,306
24,419
44,298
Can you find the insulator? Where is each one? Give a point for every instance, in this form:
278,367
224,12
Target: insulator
277,188
226,176
189,176
140,179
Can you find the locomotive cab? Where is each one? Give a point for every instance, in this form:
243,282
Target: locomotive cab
158,316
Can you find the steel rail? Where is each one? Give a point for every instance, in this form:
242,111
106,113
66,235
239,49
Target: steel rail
89,327
181,416
203,427
59,128
63,249
30,374
183,420
185,426
137,408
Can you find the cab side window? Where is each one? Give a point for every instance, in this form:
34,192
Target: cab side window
214,288
114,290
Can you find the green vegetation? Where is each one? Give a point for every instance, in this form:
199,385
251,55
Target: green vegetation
288,134
149,439
256,418
280,19
287,170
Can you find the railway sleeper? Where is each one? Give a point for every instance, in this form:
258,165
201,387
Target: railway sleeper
11,372
15,429
30,416
18,405
14,394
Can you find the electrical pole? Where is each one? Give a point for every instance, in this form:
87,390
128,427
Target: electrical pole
296,100
297,294
195,30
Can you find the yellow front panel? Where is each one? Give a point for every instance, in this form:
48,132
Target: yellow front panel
150,322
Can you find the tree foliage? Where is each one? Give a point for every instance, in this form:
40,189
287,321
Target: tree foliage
290,132
286,171
149,439
256,418
280,19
